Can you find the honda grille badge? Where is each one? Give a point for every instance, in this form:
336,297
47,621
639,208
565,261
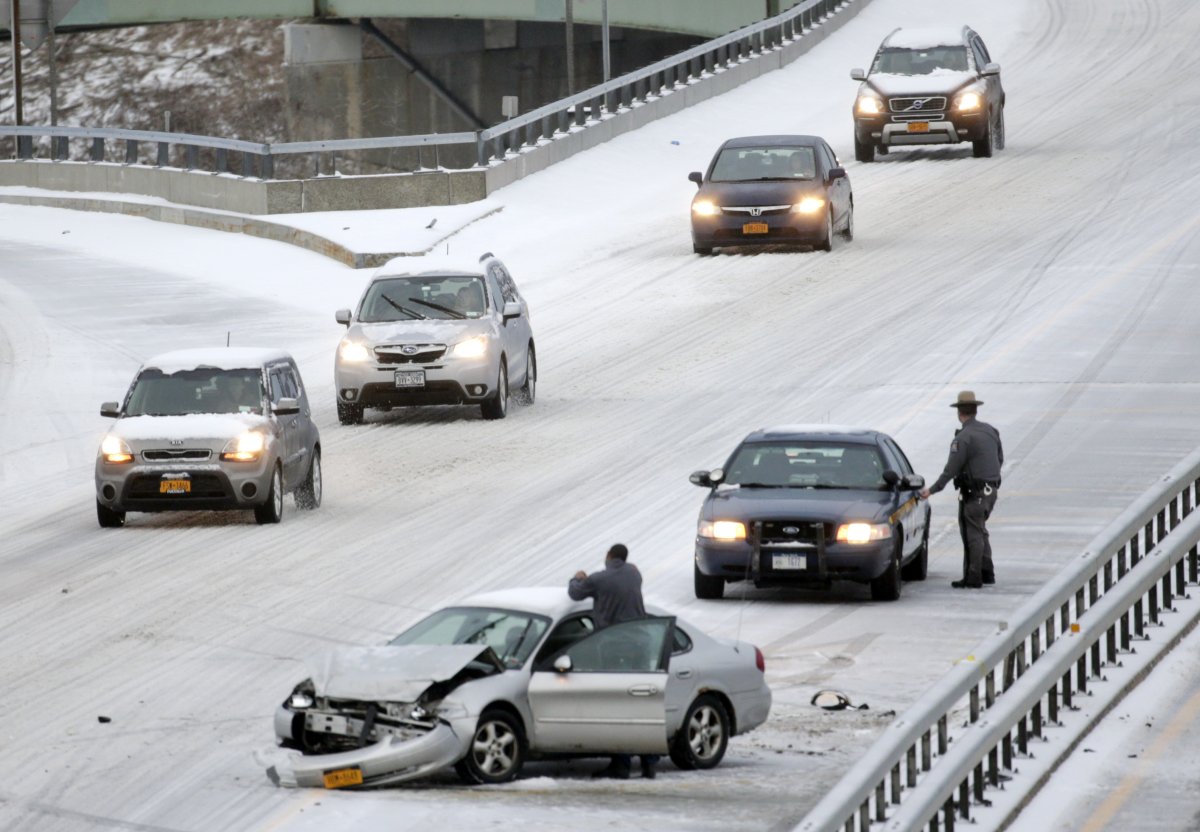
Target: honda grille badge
756,212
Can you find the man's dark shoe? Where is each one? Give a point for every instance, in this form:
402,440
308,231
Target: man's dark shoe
989,579
615,771
964,585
648,771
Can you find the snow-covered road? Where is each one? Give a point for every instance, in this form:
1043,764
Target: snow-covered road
1057,280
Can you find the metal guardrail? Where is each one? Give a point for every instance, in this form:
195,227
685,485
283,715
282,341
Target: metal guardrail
492,145
1018,678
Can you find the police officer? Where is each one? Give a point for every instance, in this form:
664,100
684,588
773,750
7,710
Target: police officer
974,465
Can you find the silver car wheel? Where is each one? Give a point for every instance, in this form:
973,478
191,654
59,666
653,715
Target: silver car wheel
494,748
705,732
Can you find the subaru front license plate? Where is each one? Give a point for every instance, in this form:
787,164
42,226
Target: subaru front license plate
341,777
410,378
789,562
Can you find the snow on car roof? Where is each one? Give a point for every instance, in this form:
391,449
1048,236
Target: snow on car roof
925,37
466,262
551,601
788,430
224,358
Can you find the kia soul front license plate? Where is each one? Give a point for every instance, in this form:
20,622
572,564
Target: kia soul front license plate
410,378
175,486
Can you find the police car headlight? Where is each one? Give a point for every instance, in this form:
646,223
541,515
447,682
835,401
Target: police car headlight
722,530
859,533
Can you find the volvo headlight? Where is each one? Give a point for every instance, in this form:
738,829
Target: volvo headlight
968,101
471,348
808,205
353,352
869,105
705,208
722,530
860,533
246,448
116,450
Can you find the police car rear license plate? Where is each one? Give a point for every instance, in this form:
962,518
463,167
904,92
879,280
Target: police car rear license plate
755,228
339,778
410,378
175,487
918,127
789,562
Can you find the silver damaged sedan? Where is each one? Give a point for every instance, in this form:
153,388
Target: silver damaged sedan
514,675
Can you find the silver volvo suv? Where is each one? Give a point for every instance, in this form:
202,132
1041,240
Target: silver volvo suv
210,429
436,330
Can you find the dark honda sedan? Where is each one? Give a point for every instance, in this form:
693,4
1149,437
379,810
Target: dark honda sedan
807,505
772,190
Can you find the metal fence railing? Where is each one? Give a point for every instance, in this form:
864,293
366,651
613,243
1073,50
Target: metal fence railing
479,148
917,774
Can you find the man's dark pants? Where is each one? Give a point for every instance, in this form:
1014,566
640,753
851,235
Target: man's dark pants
974,509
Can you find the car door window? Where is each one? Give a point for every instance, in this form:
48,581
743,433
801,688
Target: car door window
567,632
276,386
495,291
507,286
681,642
987,57
905,465
628,647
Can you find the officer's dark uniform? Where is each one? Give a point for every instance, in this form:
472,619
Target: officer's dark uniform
974,465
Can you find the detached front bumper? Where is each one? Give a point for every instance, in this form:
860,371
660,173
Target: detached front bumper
735,561
390,760
773,229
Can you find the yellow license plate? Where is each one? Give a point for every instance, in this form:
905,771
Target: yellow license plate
918,127
175,487
338,778
755,228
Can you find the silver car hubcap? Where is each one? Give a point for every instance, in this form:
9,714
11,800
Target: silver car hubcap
316,479
277,491
494,748
706,732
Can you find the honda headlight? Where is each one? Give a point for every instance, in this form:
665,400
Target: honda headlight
808,205
246,448
116,450
472,347
722,530
705,208
859,533
869,105
353,352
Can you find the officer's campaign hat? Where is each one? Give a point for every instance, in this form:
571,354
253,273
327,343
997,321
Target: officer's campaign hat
966,398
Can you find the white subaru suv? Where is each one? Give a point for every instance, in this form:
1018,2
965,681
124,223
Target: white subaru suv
436,330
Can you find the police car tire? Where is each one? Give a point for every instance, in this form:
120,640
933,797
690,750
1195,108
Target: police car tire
708,587
917,569
887,586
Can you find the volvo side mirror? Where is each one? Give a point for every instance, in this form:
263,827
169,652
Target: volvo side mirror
991,69
857,74
837,173
701,478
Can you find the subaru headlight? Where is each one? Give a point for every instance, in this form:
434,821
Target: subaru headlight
472,347
859,533
246,448
116,450
353,352
869,104
722,530
968,101
705,208
808,205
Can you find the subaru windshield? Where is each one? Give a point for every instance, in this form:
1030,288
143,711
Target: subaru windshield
418,297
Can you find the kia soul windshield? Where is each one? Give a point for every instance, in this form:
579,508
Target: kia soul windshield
204,390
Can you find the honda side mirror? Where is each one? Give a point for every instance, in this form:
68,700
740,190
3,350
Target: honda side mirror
697,177
857,74
563,663
286,407
110,409
342,316
837,173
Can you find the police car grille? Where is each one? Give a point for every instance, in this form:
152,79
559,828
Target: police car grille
793,532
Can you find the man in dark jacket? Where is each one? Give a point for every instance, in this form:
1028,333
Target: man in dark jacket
976,455
617,596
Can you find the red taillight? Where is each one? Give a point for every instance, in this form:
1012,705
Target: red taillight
759,661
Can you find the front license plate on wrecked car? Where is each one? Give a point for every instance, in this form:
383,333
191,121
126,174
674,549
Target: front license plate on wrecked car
755,228
410,378
789,562
342,777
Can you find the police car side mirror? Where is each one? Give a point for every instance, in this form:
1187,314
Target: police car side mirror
857,74
891,478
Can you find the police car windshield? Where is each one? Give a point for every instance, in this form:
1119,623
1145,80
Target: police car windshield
922,61
417,297
806,464
753,164
204,390
511,635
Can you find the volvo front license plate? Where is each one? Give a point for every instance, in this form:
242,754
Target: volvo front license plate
340,777
755,228
789,562
918,127
175,487
410,378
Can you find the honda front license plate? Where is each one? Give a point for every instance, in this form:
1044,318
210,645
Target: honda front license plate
789,562
410,378
755,228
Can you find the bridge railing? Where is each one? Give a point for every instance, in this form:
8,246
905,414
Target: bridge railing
1017,681
448,150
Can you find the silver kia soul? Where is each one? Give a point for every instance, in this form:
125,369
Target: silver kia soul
436,330
210,429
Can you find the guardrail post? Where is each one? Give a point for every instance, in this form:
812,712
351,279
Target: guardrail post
563,121
267,165
97,149
1066,686
1125,630
926,751
943,740
1167,595
1081,673
880,808
59,149
247,164
1049,631
1052,704
948,813
912,765
975,703
222,160
191,157
990,688
994,766
24,147
164,155
979,782
131,151
1037,718
964,799
1035,644
1111,644
1180,578
1194,564
1023,735
1006,753
864,815
1154,604
547,130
